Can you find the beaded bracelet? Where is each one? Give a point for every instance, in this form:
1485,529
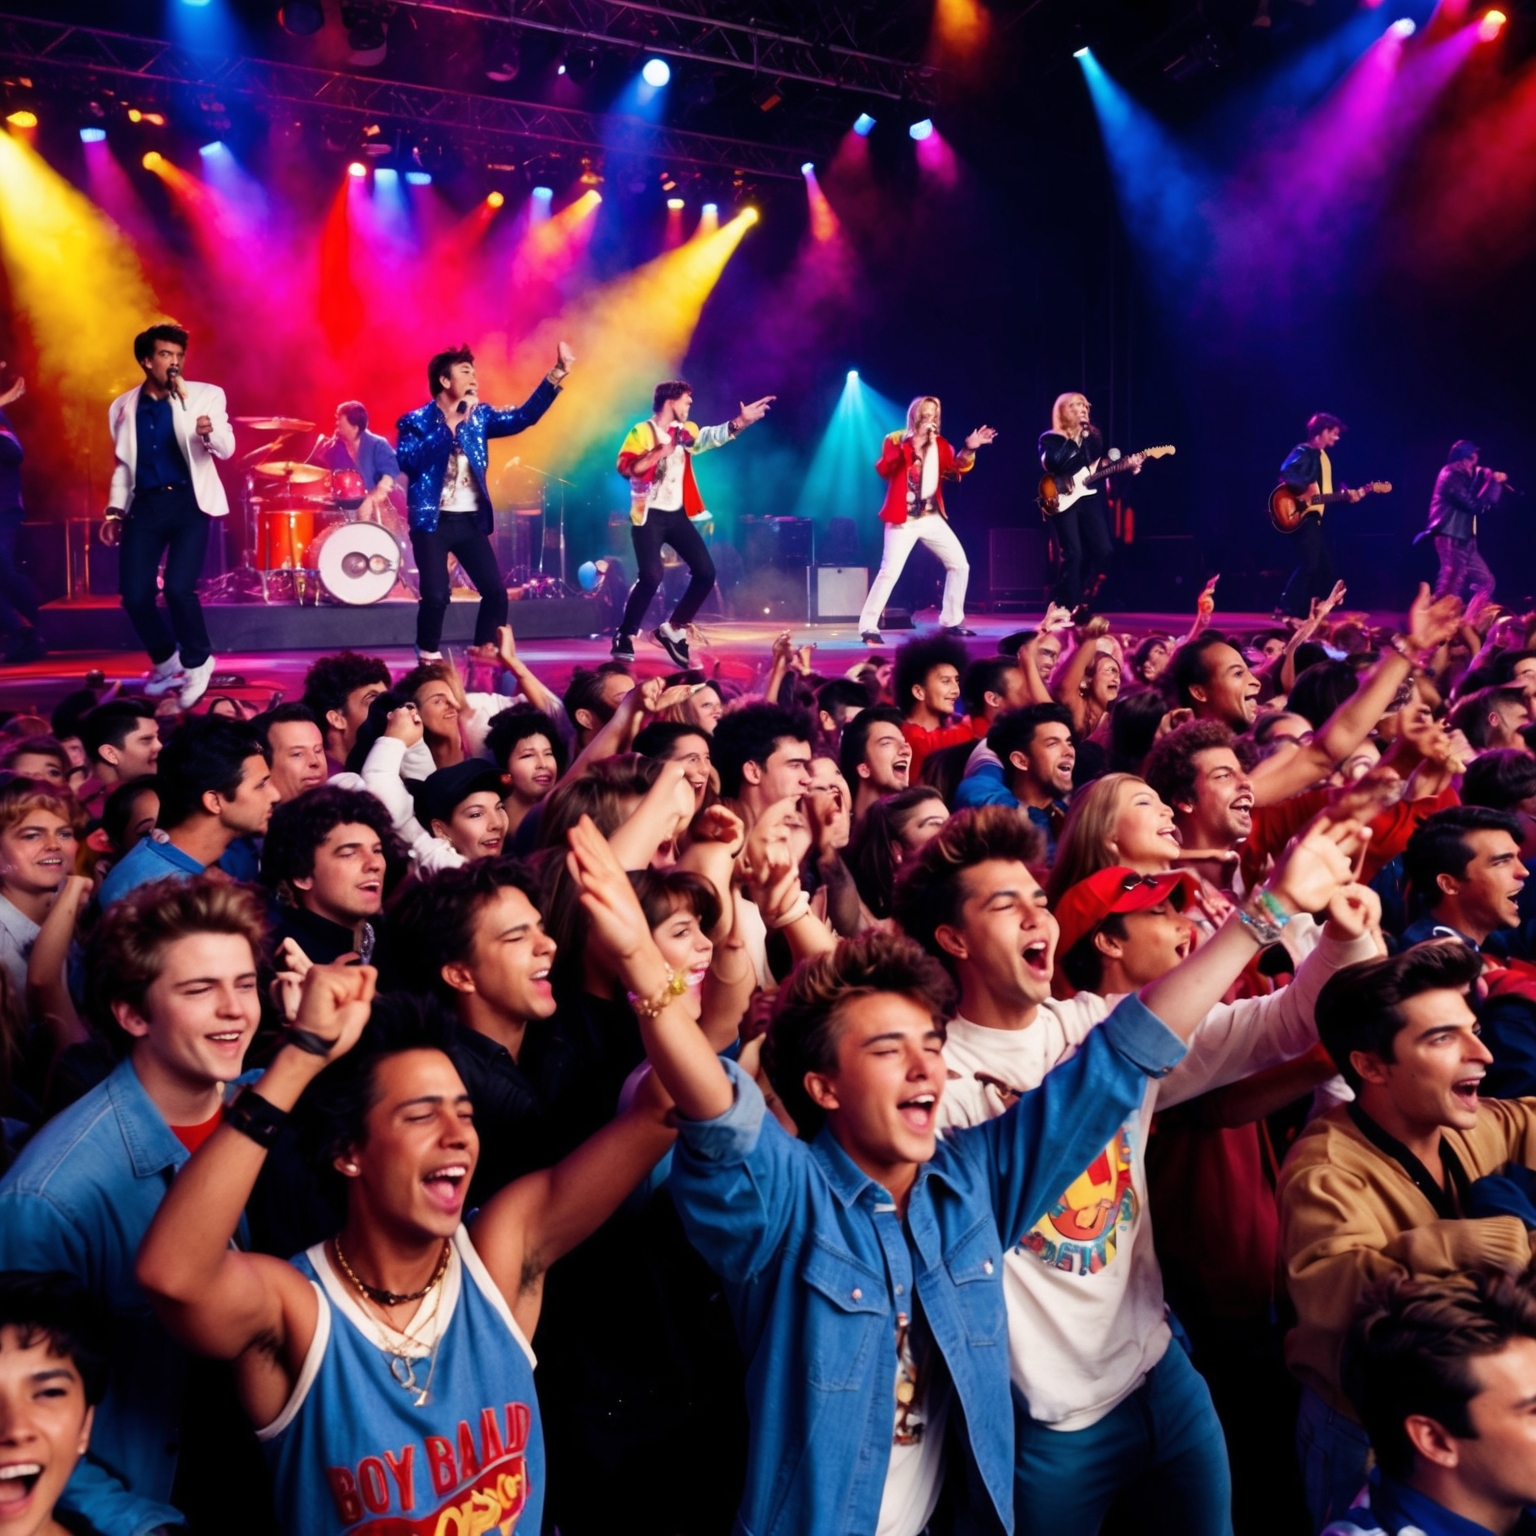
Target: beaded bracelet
648,1008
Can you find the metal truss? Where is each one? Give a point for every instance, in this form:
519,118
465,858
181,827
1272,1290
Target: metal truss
831,58
67,58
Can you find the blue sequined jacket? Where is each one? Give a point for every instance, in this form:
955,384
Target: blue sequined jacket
425,444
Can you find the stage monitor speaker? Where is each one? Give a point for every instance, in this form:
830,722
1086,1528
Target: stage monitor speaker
1019,564
775,596
837,592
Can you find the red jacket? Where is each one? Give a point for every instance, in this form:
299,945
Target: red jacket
896,461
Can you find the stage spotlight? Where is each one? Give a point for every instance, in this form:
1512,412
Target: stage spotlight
495,199
863,125
544,194
807,167
656,72
357,169
22,118
674,203
152,159
419,178
386,176
1081,53
301,18
710,210
92,135
1405,26
218,147
1490,26
367,34
749,215
921,129
156,119
853,375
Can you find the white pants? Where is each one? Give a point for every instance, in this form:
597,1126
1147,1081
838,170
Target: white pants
935,532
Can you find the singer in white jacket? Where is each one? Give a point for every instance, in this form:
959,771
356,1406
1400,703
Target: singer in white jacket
165,492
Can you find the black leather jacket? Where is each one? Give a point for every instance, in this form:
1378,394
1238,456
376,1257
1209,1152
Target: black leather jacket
1063,456
1460,494
1303,467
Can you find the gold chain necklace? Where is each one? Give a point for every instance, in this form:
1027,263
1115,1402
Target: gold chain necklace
377,1294
402,1364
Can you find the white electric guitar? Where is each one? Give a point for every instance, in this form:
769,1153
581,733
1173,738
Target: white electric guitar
1057,495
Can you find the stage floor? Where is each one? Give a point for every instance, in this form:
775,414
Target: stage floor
738,652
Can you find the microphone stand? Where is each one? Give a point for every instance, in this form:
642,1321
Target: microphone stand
564,588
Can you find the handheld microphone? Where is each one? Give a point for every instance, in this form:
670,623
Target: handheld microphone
173,380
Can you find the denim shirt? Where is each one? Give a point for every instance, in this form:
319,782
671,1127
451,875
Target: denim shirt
816,1263
80,1198
1395,1509
425,445
375,458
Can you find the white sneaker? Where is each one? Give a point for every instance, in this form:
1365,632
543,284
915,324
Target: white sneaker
195,683
165,676
424,657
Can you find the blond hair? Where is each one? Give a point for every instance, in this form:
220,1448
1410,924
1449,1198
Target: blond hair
1087,839
917,405
1059,422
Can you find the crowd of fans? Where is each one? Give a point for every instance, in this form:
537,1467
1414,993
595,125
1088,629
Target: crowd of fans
1090,1086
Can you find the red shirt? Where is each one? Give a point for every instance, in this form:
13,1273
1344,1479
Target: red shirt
193,1136
923,741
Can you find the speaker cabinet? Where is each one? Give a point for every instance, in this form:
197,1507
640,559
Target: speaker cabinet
837,592
1019,565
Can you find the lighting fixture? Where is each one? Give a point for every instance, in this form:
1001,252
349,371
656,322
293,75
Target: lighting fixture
657,72
863,125
922,129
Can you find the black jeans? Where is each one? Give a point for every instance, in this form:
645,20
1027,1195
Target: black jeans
1314,575
168,523
18,597
1083,543
457,534
667,528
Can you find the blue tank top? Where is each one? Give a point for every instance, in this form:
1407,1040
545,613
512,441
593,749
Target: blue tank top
351,1453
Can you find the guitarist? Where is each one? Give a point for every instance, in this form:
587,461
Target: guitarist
1308,471
1083,549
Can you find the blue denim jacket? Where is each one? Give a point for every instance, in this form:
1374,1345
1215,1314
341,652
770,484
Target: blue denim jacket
80,1198
1394,1509
816,1263
425,444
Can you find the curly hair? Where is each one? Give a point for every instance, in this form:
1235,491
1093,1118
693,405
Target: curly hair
20,795
931,889
334,679
126,952
1170,767
803,1035
299,826
511,726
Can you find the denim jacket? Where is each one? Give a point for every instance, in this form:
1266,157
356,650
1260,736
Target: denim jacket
1394,1509
425,444
80,1198
816,1264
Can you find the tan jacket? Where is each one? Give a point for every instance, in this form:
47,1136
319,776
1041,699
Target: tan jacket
1350,1215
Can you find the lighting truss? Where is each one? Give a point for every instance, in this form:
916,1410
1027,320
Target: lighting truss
61,57
831,57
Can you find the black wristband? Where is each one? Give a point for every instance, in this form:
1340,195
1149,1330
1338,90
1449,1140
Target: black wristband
308,1040
256,1117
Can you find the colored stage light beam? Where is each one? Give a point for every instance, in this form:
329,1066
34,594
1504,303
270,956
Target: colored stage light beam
339,301
82,329
672,231
841,480
709,220
639,326
22,118
824,220
961,30
936,160
549,252
1490,26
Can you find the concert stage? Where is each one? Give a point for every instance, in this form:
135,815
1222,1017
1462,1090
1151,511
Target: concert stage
277,656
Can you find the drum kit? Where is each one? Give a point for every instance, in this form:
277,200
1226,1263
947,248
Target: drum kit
306,537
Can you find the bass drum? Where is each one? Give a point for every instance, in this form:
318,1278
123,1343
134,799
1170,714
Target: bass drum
358,563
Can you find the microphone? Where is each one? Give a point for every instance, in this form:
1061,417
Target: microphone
462,406
173,380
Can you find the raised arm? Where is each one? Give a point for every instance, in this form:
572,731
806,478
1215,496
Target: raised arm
1287,773
533,690
666,809
214,1298
1067,680
48,995
684,1060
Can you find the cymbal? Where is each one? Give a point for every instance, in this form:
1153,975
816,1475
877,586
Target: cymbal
291,469
276,423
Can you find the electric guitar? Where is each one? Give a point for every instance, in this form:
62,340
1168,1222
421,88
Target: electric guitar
1057,495
1288,507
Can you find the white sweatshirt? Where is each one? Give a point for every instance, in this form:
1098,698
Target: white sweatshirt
1086,1317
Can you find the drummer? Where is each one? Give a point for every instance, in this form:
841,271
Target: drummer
366,454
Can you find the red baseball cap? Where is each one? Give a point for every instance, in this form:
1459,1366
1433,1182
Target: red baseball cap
1117,889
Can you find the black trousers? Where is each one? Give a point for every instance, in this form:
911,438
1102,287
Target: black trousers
457,534
667,528
1315,574
1083,544
18,597
168,523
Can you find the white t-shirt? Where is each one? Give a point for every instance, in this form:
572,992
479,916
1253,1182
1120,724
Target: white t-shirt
1086,1316
460,493
667,494
915,1476
18,933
